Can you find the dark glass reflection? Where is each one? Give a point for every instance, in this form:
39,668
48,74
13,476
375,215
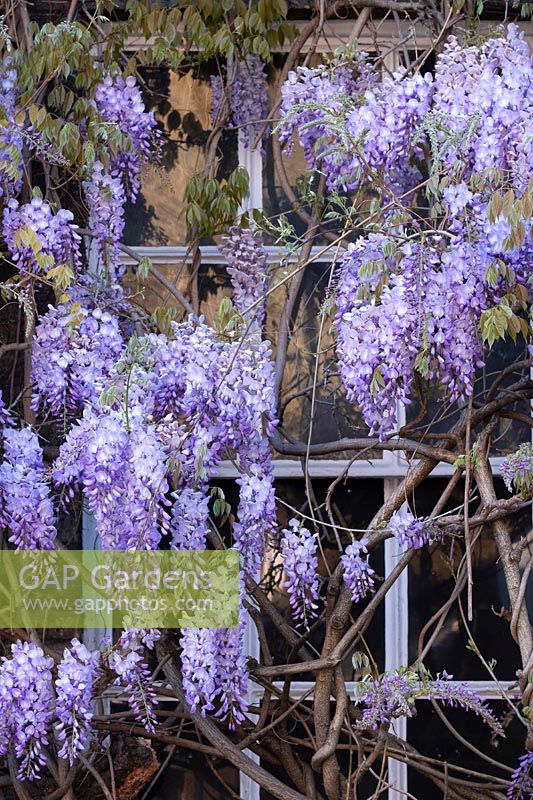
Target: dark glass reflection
314,404
190,776
428,734
353,504
431,583
181,102
438,415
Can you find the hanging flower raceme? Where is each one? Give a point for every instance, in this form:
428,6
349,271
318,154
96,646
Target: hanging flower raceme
394,694
410,531
247,268
119,102
517,470
358,574
377,344
216,396
482,106
184,369
189,515
38,239
382,699
199,667
396,318
122,468
10,136
245,403
26,707
458,695
26,507
74,352
349,123
256,513
232,678
248,98
133,674
298,549
106,199
76,673
313,101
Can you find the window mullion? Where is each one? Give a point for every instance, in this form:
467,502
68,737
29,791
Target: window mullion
396,644
252,161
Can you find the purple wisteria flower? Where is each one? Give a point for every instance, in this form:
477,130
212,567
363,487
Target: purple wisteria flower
247,268
26,707
384,698
106,199
521,786
415,302
298,549
123,471
394,694
26,507
358,574
410,531
11,169
256,513
199,650
56,239
348,122
119,102
395,318
133,675
483,102
313,101
189,515
232,673
76,673
214,670
73,355
246,104
375,344
517,470
458,695
457,197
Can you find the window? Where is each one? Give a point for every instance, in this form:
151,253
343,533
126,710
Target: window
156,228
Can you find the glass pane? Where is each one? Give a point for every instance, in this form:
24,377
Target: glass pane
275,201
439,415
181,102
320,414
510,433
431,583
191,776
428,734
150,293
353,504
409,57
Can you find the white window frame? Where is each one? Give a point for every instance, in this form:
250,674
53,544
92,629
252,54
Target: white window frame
391,467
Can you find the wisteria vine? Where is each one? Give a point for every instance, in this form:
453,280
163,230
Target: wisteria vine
422,291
